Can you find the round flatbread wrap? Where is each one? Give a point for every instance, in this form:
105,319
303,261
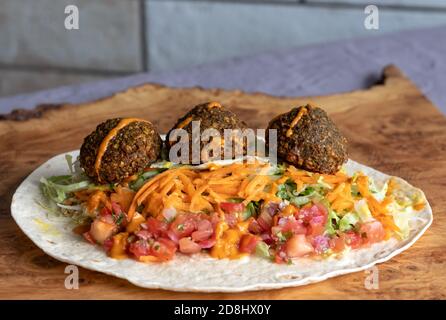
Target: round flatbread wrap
198,272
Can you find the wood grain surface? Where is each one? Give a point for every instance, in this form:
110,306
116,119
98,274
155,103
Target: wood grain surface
391,126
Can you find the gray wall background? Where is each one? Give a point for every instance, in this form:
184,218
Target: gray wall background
120,37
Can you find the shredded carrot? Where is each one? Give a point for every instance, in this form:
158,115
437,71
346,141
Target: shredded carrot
123,196
363,185
96,200
197,191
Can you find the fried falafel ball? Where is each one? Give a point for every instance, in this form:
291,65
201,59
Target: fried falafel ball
119,148
308,139
208,115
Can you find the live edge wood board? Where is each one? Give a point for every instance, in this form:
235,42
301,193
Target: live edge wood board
391,126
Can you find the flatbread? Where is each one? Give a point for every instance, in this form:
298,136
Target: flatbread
198,272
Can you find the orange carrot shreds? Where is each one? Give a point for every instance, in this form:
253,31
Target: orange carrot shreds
215,197
331,196
419,206
197,202
198,190
379,212
149,190
298,172
167,187
282,179
189,188
83,195
391,185
341,198
123,196
342,205
220,172
376,208
363,185
135,202
131,178
97,200
336,178
242,187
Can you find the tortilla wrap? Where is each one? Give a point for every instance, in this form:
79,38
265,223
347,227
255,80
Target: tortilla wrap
198,272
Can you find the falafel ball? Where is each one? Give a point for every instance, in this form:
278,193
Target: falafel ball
209,115
119,148
308,139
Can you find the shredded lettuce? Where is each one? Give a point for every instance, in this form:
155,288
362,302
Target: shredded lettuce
332,221
69,159
363,211
251,210
280,170
323,184
288,192
262,250
402,217
348,221
142,179
378,194
57,188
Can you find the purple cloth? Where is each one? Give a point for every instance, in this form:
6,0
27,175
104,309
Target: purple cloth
313,70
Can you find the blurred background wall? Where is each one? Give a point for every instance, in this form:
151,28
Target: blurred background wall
120,37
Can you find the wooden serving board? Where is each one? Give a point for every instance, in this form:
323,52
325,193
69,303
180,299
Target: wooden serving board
391,127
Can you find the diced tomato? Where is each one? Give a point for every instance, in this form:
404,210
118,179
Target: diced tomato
231,219
292,225
100,230
105,212
315,229
119,215
201,235
274,231
204,231
108,244
266,237
139,248
163,249
88,237
106,216
183,226
352,239
172,236
298,246
207,244
320,244
144,234
281,255
214,218
265,221
374,231
337,244
230,207
188,246
316,214
254,227
248,243
168,243
156,227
